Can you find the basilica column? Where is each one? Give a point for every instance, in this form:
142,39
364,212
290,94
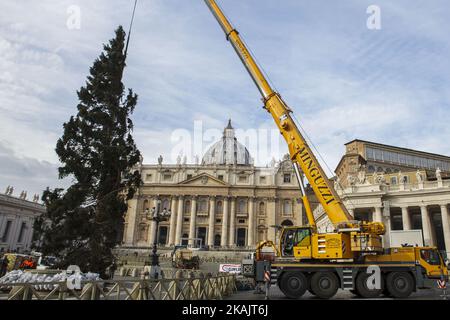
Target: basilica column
224,238
251,222
212,210
406,219
446,228
193,220
180,213
271,213
377,215
132,214
173,220
426,226
152,234
232,241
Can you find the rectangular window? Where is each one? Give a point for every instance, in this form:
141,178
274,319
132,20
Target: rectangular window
378,155
218,220
262,180
7,230
189,176
242,178
167,177
23,227
369,154
241,221
186,219
287,178
148,177
220,177
393,180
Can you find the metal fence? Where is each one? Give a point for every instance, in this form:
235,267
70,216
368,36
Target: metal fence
193,288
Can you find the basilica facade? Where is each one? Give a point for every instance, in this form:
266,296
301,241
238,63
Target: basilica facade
224,201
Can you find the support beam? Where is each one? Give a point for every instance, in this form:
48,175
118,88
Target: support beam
406,219
173,220
192,234
232,241
224,237
212,210
446,228
426,226
180,213
251,222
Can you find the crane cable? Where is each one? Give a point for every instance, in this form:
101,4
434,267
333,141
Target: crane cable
129,30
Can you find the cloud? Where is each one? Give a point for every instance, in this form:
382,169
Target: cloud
28,174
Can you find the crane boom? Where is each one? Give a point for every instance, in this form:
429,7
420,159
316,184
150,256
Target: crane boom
299,150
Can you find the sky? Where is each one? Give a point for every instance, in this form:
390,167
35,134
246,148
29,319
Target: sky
342,79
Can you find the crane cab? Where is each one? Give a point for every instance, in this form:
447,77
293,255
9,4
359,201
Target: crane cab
303,243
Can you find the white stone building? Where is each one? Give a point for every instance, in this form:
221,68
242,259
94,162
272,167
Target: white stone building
224,200
17,217
403,188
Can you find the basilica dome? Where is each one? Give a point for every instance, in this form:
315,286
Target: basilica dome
227,151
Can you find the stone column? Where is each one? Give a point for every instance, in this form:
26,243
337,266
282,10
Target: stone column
173,220
224,237
129,234
212,210
153,231
426,226
193,220
377,215
180,213
299,211
406,219
232,241
251,222
271,219
446,228
386,219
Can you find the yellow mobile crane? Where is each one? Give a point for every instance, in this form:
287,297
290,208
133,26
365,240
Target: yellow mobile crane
322,263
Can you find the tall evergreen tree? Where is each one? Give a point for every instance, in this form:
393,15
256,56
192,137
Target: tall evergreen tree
98,152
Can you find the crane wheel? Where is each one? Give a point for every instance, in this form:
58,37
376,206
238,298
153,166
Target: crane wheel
324,284
293,284
363,290
400,284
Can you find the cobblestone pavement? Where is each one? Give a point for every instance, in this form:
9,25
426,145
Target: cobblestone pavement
276,294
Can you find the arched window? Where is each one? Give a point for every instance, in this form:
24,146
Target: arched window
187,206
287,207
371,169
262,208
242,206
287,223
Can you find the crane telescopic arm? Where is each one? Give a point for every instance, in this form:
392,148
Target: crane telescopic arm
299,150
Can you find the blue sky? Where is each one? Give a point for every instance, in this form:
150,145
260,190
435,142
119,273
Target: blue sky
342,80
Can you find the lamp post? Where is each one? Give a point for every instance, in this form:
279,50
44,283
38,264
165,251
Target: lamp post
157,215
